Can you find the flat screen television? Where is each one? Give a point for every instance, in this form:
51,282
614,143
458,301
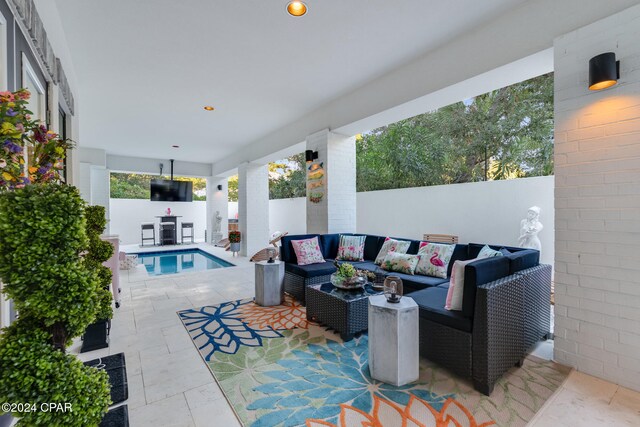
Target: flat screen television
164,190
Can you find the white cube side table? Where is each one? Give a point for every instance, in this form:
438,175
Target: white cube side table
269,283
393,340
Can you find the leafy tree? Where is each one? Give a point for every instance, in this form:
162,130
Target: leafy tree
233,188
137,186
288,177
502,134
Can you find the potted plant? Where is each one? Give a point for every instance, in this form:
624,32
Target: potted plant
99,251
348,277
234,239
42,242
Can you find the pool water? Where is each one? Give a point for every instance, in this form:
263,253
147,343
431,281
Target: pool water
181,261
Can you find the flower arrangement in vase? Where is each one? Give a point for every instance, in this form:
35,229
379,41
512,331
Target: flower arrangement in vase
234,239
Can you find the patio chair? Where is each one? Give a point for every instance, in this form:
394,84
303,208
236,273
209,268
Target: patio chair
147,226
188,226
440,238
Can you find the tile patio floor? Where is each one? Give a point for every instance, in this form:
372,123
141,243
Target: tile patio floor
169,385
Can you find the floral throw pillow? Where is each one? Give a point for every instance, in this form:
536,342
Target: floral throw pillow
351,248
434,259
307,251
389,245
402,263
487,252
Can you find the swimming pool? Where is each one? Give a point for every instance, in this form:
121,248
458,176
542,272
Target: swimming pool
181,261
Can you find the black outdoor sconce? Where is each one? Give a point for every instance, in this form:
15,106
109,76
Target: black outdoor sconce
219,187
604,71
310,155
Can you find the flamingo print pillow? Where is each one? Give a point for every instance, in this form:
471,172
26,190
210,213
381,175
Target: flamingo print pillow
392,245
434,259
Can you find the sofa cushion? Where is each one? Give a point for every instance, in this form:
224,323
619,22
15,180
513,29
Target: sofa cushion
478,273
459,254
311,270
522,260
329,245
372,245
366,265
431,306
415,283
351,248
392,245
287,254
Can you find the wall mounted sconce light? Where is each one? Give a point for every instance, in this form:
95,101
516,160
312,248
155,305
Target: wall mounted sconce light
310,155
219,187
604,71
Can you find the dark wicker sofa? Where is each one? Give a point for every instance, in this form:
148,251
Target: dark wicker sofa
505,307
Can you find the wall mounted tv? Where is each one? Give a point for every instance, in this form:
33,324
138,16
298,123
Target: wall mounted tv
164,190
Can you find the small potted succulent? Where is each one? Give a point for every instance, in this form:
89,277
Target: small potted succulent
347,277
234,239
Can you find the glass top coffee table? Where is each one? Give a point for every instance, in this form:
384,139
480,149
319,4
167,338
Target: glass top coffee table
345,311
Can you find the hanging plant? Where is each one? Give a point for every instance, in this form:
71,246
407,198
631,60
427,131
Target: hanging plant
19,132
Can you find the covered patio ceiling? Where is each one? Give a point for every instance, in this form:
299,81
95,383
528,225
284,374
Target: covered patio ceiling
145,69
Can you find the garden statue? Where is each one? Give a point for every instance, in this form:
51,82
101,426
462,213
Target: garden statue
529,229
218,224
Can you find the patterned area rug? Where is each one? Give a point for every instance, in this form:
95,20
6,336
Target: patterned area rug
278,369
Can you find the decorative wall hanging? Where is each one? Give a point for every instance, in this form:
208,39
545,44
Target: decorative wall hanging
315,182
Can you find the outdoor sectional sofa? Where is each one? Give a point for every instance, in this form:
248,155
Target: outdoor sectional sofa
505,308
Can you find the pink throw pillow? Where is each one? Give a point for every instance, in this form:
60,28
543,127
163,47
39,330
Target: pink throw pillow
307,251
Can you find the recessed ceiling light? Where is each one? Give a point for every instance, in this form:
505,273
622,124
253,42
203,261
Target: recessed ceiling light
209,108
296,8
175,146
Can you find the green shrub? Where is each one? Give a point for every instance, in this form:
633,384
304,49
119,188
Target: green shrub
98,252
40,374
234,237
42,238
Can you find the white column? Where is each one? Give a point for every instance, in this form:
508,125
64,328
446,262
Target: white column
253,207
217,201
336,212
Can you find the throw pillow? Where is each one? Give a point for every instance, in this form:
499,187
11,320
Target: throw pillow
505,251
434,259
389,245
487,252
402,263
351,248
307,251
456,285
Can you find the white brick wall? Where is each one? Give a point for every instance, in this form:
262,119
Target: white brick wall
253,207
337,210
597,201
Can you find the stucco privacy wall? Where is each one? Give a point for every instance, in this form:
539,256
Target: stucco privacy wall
128,214
597,158
476,212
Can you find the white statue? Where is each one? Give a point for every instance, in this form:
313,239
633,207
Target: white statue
218,224
529,229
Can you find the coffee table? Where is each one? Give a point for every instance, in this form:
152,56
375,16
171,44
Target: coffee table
345,311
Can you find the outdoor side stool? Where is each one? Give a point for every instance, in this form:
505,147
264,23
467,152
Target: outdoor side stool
189,226
147,226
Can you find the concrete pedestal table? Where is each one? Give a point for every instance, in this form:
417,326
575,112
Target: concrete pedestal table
269,283
393,340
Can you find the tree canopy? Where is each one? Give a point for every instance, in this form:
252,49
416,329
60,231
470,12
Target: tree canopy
138,186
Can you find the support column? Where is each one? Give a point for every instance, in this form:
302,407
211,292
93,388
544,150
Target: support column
253,207
217,204
335,212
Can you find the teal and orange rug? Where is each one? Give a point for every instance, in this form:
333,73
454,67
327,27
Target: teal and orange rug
277,369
